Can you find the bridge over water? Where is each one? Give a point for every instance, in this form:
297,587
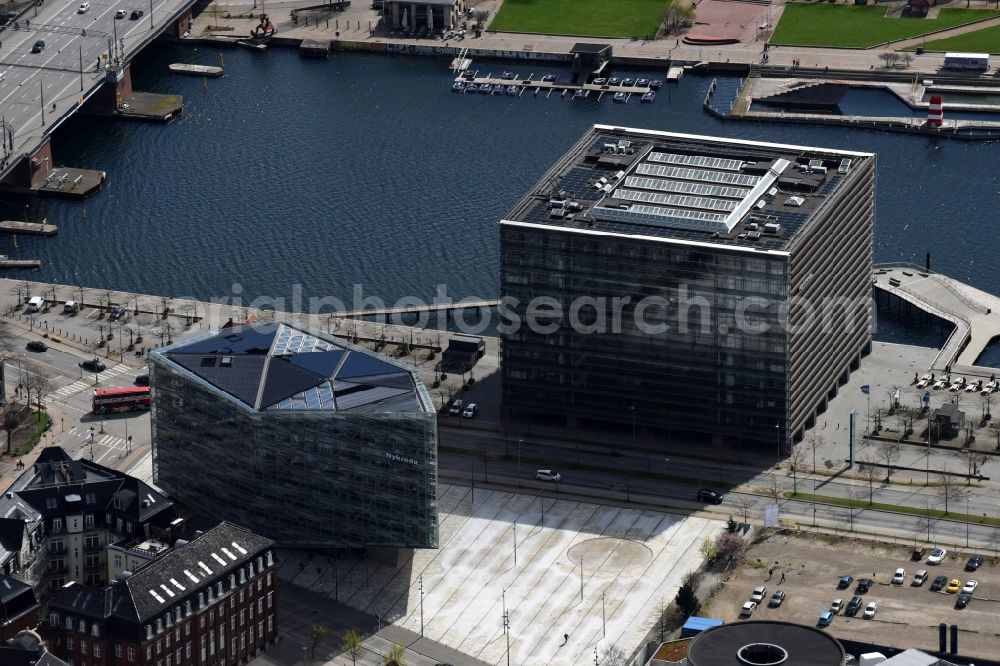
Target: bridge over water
84,63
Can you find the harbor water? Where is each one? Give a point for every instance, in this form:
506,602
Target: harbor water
367,170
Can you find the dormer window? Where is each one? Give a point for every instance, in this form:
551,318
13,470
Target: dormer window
116,502
51,502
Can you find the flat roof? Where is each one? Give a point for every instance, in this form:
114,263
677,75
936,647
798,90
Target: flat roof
681,187
802,645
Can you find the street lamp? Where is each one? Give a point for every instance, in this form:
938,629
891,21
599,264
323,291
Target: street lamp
968,498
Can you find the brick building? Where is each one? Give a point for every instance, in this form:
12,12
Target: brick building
208,601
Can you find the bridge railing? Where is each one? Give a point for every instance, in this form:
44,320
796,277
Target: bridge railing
943,280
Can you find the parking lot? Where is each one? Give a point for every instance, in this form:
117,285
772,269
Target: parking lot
907,616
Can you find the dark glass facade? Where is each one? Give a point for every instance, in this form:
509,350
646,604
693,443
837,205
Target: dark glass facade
680,336
310,477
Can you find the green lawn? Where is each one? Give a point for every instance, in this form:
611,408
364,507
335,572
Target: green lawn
986,40
859,26
585,18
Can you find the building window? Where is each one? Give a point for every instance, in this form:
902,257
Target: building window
149,652
83,646
54,619
88,521
57,524
201,622
159,647
118,561
131,654
233,651
232,621
270,599
187,629
260,585
270,623
97,649
250,608
242,596
242,618
187,650
204,648
260,606
243,640
260,631
232,602
69,643
269,578
118,650
170,659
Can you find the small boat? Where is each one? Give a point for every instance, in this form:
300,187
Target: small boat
620,98
497,89
458,86
513,90
628,83
508,76
550,78
468,76
579,94
642,83
599,81
614,82
655,84
485,89
648,97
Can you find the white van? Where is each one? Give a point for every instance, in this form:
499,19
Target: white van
35,303
70,307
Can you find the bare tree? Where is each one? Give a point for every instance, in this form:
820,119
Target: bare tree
986,402
352,644
907,60
39,385
889,58
869,472
795,464
814,443
613,655
950,489
82,292
889,452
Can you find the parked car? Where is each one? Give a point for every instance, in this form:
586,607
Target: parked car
963,600
837,606
710,496
84,7
953,586
845,582
120,14
870,610
919,578
142,380
548,475
38,46
937,556
924,381
456,408
974,563
899,576
748,608
37,346
864,585
71,307
776,599
938,583
918,554
825,619
117,312
93,366
470,410
758,594
135,15
970,586
854,605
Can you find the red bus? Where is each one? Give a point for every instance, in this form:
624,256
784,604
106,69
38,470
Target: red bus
129,399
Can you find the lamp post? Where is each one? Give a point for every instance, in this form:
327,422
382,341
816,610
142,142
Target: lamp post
968,498
421,605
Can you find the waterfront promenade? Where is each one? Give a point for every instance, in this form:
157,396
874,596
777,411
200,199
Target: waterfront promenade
351,29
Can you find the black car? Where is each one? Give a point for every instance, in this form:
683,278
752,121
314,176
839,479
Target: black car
711,496
38,46
938,584
963,600
135,15
845,582
854,605
93,366
918,554
142,380
864,585
117,312
974,563
37,346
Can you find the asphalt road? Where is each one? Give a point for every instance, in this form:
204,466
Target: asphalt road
33,82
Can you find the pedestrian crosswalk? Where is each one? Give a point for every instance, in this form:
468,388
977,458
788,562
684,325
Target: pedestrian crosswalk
109,441
88,381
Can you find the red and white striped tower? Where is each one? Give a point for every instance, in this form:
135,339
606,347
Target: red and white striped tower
935,111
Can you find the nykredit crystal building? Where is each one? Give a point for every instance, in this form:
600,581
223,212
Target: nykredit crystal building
306,439
711,288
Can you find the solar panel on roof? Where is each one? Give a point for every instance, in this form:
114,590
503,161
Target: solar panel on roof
697,160
703,203
699,175
685,187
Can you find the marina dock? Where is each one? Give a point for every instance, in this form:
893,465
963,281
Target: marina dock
31,228
194,70
514,85
19,263
675,73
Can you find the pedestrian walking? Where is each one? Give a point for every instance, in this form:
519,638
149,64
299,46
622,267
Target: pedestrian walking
770,573
782,578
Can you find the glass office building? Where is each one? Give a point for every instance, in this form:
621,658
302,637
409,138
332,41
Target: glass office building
309,440
713,289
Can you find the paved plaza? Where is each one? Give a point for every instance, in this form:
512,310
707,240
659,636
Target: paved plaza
630,560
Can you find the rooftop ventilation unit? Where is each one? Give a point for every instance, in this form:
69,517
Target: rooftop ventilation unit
753,235
845,166
772,228
794,201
